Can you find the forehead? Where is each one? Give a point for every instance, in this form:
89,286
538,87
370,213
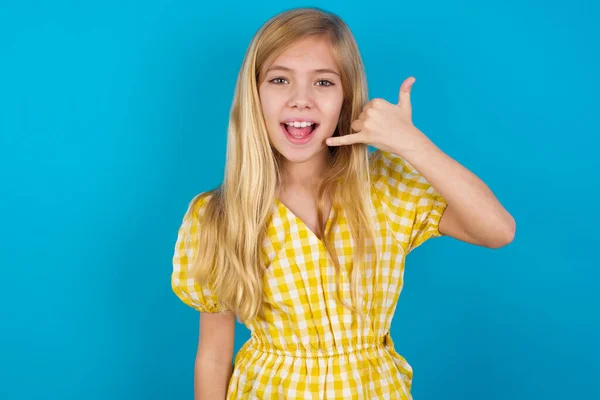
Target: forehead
307,55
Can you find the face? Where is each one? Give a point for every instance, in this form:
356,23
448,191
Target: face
302,84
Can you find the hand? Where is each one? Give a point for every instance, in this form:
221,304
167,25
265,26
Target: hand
385,126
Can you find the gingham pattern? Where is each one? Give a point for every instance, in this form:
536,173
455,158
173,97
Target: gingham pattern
306,345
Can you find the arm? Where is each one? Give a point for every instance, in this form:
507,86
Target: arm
473,215
213,365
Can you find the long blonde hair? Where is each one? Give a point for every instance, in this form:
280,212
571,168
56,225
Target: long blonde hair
236,215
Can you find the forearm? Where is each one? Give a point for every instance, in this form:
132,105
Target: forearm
211,378
473,204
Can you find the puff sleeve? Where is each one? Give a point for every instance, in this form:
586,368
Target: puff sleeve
187,246
413,208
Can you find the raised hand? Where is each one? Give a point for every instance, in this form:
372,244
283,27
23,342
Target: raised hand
384,125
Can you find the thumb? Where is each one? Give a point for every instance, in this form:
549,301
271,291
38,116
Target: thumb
404,95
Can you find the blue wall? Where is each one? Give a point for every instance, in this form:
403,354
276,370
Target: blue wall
113,116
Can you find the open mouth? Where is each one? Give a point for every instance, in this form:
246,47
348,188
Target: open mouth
299,135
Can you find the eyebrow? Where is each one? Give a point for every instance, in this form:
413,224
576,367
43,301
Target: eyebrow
319,70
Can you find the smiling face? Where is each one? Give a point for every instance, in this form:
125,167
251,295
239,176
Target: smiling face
302,84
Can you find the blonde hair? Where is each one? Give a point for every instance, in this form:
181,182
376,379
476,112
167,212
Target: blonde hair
236,215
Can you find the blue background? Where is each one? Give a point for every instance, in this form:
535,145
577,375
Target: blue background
113,115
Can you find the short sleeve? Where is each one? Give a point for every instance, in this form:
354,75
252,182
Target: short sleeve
412,206
187,246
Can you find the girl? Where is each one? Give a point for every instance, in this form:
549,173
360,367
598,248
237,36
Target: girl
305,239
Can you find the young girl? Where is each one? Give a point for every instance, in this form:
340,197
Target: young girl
305,240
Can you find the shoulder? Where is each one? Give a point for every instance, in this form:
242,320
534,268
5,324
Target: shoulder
397,182
191,223
383,163
198,204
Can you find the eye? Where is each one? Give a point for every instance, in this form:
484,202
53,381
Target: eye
329,83
277,79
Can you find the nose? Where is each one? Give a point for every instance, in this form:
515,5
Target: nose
301,98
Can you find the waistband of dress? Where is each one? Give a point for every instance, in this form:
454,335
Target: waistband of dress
381,342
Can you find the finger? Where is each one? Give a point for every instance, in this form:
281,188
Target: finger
404,96
361,116
346,139
357,125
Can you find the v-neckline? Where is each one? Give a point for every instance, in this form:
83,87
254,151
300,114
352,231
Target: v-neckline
300,222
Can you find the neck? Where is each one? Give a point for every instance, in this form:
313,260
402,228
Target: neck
305,176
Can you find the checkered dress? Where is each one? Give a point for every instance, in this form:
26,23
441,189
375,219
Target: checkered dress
306,345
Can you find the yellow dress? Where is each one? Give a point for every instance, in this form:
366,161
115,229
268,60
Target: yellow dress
306,346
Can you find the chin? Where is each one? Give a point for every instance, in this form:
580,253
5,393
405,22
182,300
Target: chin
295,152
299,155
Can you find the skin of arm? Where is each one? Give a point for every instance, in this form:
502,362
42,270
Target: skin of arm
474,215
213,366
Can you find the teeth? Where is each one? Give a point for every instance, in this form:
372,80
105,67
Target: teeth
297,124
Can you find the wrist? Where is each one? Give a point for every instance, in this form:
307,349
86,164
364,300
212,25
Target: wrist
417,145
